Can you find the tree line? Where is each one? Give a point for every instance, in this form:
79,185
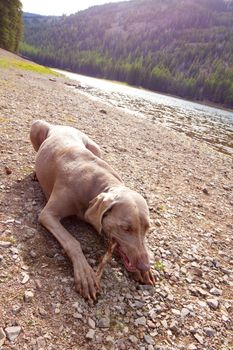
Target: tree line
11,27
172,46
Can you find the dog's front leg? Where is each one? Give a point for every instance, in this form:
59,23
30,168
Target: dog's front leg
84,276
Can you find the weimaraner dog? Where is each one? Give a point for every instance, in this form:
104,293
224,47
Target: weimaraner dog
76,181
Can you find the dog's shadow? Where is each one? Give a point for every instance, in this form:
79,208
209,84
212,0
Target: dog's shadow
39,247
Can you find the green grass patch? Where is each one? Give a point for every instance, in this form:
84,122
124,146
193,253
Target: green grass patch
159,266
27,66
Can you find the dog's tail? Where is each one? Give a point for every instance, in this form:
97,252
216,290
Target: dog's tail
38,133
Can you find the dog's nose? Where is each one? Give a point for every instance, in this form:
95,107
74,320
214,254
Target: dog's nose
142,266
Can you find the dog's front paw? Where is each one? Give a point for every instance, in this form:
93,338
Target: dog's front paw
144,277
85,280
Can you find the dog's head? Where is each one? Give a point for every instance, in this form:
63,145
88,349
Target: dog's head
123,214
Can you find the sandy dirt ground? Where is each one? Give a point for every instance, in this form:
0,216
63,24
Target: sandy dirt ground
189,190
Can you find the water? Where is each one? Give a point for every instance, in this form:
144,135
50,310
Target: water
209,124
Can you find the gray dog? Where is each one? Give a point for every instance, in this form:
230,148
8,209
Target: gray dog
76,181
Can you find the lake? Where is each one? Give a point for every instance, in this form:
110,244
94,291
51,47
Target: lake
210,124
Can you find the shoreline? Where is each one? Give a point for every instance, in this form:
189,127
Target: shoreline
201,102
208,124
189,190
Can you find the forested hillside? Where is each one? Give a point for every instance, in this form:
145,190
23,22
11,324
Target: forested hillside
10,24
181,47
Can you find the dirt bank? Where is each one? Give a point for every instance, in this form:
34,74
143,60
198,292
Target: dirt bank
188,187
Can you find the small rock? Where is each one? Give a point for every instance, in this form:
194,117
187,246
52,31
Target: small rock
192,347
151,324
12,332
228,187
25,278
164,324
141,321
32,254
28,296
42,312
16,308
176,312
90,335
110,339
148,339
91,323
38,284
103,111
199,338
41,343
213,303
215,291
57,311
170,297
133,339
158,223
174,327
184,312
5,244
210,332
104,322
77,315
8,171
150,347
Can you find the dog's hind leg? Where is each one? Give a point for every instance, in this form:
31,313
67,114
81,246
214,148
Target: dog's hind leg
84,276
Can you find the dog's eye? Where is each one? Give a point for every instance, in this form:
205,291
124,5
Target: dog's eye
127,229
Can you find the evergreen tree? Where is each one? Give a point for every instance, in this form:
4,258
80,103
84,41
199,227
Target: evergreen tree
10,24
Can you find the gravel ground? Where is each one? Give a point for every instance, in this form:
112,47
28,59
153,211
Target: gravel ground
188,187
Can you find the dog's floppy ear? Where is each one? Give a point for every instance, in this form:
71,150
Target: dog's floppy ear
99,206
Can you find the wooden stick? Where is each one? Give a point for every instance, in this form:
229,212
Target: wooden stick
105,259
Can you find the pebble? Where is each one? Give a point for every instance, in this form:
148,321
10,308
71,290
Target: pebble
141,321
174,327
12,332
176,312
77,315
151,324
148,339
110,339
192,347
25,278
32,254
5,244
42,312
90,335
16,308
28,296
150,347
57,311
91,323
133,339
215,291
184,312
210,332
164,324
199,338
104,322
213,303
